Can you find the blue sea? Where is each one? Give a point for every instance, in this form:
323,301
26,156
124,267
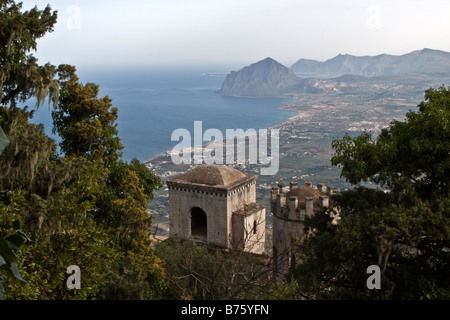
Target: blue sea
154,103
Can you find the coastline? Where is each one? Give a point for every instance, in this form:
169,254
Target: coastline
286,106
305,145
290,106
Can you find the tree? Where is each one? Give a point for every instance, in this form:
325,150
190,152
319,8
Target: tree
123,209
67,198
29,153
66,235
85,122
4,141
197,272
410,156
20,75
11,239
403,226
87,127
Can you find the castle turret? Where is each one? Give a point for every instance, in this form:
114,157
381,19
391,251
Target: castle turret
290,209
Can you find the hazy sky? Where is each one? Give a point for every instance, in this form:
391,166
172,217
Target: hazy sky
237,32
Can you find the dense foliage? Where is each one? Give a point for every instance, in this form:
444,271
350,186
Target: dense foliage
84,207
404,229
196,272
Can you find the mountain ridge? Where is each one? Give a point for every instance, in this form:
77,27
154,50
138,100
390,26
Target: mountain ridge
419,62
269,78
265,78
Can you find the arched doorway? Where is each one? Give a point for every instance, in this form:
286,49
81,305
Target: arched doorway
199,226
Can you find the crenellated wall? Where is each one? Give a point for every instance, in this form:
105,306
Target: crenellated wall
290,206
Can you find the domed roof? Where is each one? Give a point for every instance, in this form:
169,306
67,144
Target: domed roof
212,175
305,192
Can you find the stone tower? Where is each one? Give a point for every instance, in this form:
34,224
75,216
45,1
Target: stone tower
289,207
216,205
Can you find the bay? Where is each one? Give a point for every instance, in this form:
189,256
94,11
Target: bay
154,103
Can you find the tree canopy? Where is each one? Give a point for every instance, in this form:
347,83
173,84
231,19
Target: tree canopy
403,225
20,75
86,206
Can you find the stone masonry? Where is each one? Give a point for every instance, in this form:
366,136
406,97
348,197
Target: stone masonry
216,205
289,207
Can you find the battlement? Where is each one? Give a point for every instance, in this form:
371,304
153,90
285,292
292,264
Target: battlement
295,203
290,206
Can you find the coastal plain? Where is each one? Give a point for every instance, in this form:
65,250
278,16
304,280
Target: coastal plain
338,106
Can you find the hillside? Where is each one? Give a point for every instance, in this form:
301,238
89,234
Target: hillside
426,62
266,78
343,73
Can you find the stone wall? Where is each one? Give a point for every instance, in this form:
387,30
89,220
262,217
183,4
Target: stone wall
214,204
290,206
227,218
249,225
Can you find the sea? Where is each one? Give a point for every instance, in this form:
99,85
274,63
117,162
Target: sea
152,103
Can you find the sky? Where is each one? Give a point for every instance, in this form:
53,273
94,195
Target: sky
235,33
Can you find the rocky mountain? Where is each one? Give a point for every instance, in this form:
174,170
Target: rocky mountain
426,62
266,78
343,73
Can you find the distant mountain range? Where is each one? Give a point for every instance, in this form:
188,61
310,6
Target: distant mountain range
421,62
269,78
